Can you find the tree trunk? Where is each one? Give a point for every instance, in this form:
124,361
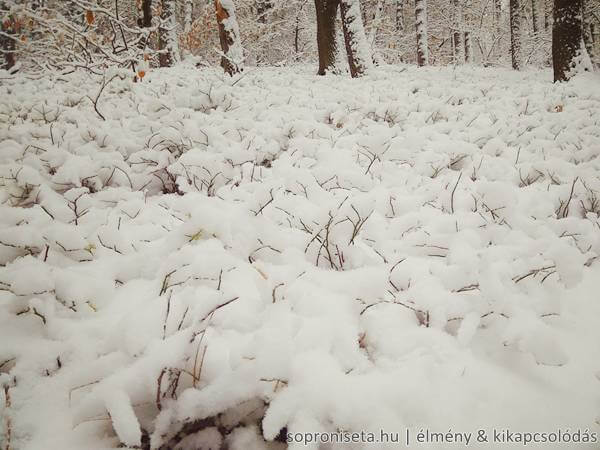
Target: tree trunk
547,14
167,35
146,13
326,15
497,12
421,27
229,36
7,41
187,15
566,37
359,58
588,31
515,34
399,15
457,33
534,16
468,48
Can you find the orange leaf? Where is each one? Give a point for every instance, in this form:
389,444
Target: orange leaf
89,17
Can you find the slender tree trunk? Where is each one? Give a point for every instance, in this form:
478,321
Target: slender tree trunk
399,15
421,27
566,37
534,16
547,14
229,36
187,15
359,57
588,31
167,35
457,32
7,42
515,34
497,12
146,13
326,15
376,23
468,48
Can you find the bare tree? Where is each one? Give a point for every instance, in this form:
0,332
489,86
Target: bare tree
7,39
566,37
359,58
468,48
187,15
588,27
534,16
229,36
326,15
547,14
457,33
421,28
167,35
515,33
399,15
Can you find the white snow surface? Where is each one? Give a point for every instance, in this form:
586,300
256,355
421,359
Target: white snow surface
413,249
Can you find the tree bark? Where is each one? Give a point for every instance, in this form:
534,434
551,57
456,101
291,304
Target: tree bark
497,12
588,31
229,36
399,15
326,15
547,14
359,58
534,16
421,28
468,48
167,35
566,37
187,15
7,42
146,13
457,33
515,34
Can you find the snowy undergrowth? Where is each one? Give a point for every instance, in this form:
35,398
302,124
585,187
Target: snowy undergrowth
223,260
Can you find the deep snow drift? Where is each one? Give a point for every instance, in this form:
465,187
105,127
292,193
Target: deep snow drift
415,249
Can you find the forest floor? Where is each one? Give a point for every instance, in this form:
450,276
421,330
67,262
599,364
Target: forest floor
414,250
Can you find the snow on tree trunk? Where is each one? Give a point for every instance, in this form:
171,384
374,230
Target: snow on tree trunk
146,13
421,28
588,30
376,22
229,36
547,14
399,15
167,35
567,37
457,33
7,42
187,15
357,49
468,48
515,33
534,16
497,12
326,15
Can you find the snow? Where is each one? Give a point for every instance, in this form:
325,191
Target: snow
414,249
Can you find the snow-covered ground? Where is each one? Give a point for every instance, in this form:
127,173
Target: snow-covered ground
415,249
